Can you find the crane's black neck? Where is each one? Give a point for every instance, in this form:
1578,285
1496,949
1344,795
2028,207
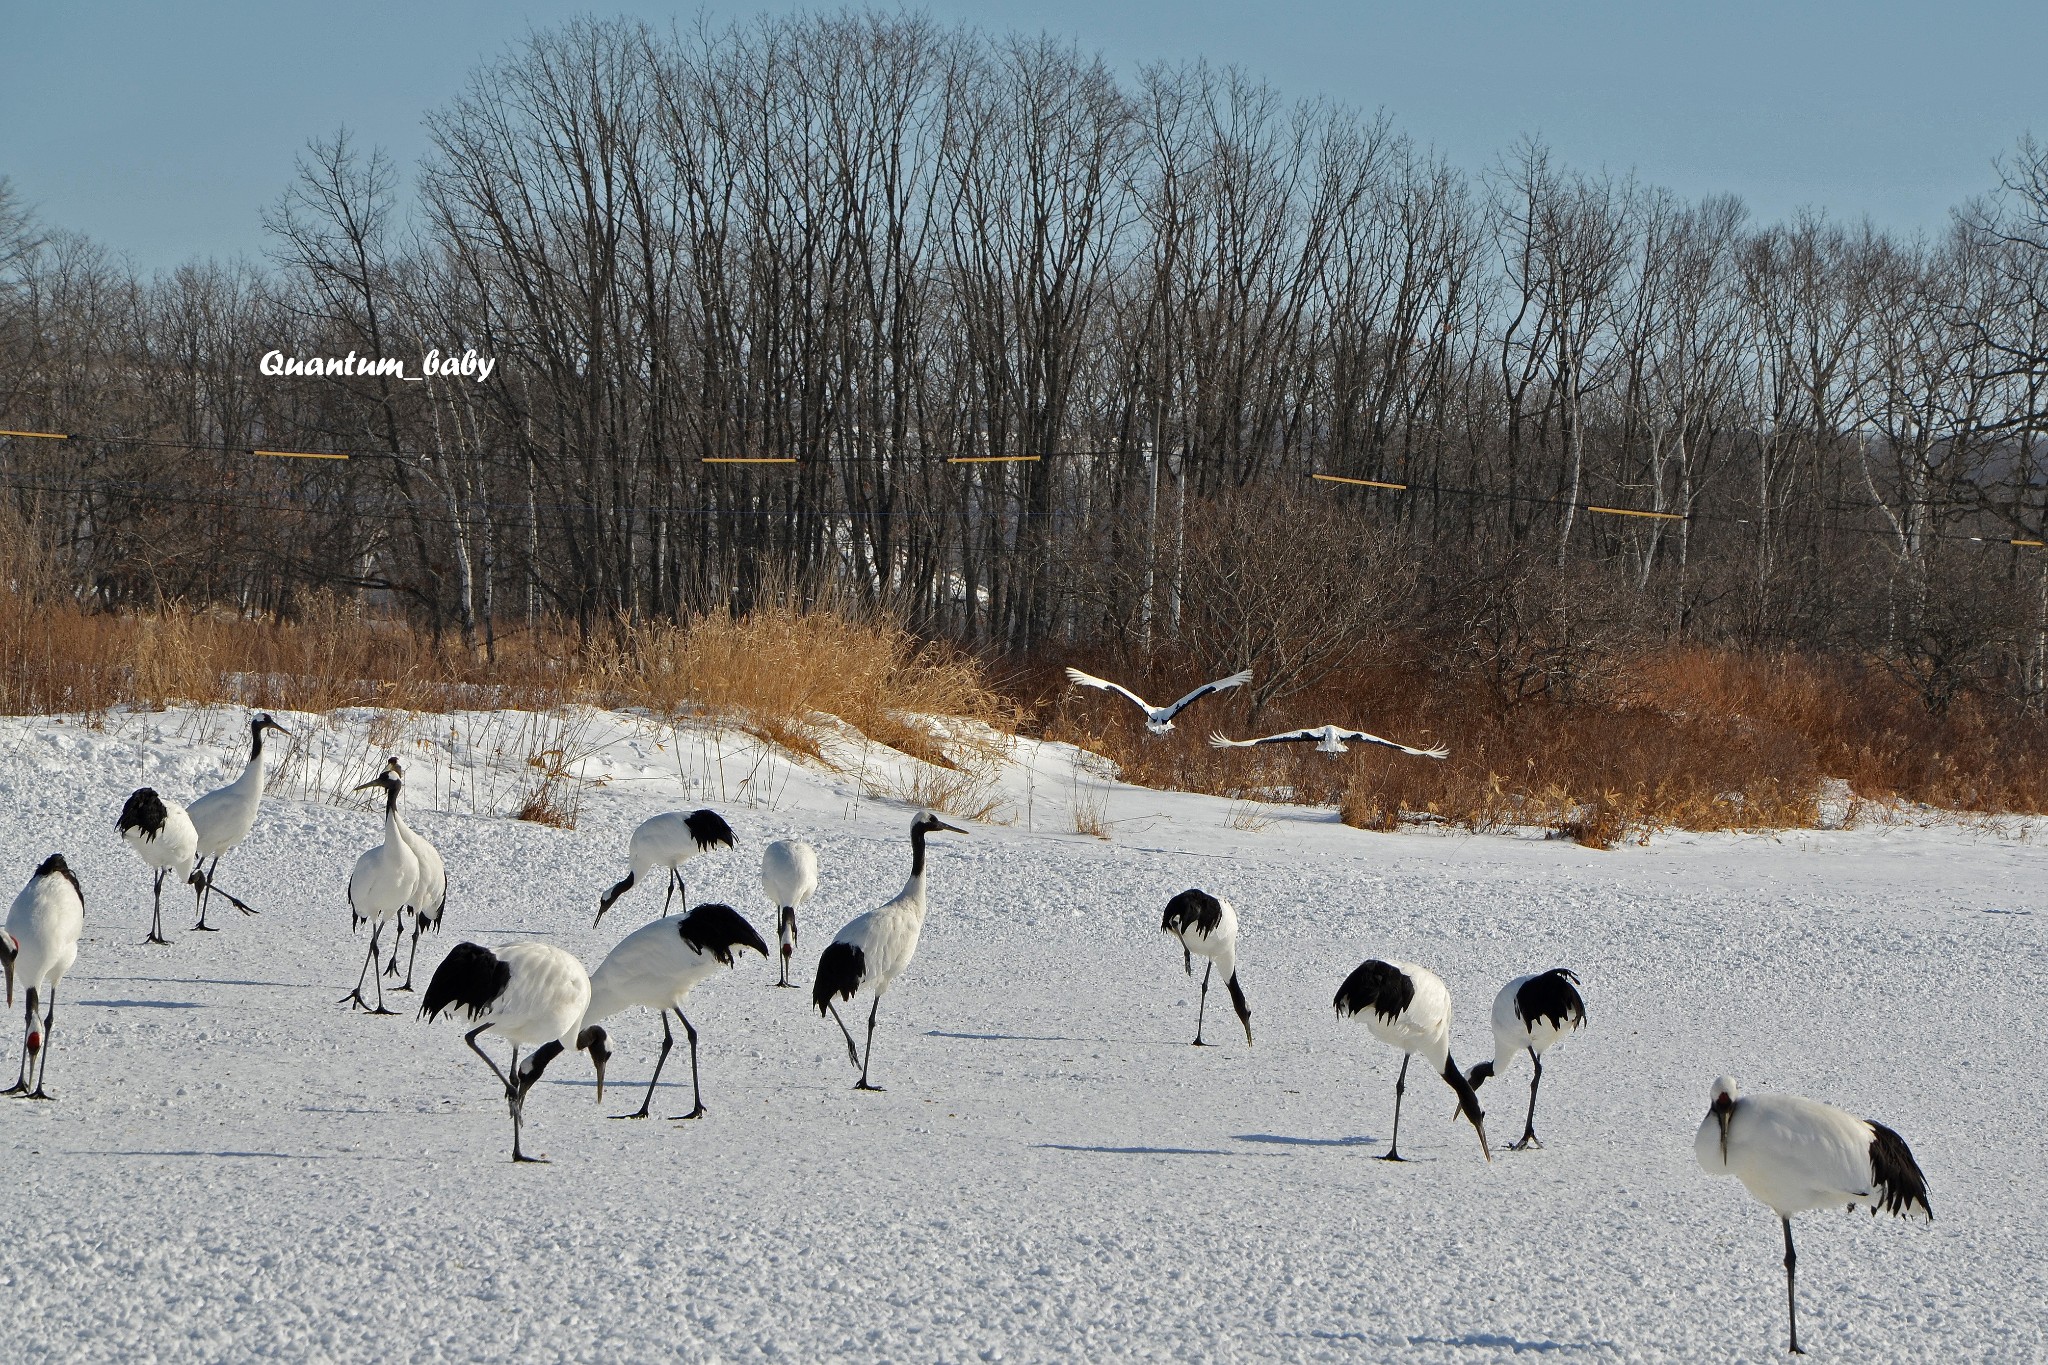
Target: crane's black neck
390,798
916,851
255,741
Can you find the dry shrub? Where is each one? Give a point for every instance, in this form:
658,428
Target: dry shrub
772,671
949,791
1690,738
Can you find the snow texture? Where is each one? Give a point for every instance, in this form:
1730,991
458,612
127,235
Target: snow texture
237,1166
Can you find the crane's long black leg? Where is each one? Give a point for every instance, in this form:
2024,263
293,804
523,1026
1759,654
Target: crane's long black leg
862,1083
398,936
156,913
1393,1152
1528,1138
696,1093
355,996
411,957
667,1041
786,931
673,878
376,932
206,898
43,1068
515,1100
471,1037
20,1086
852,1051
1203,1008
1791,1299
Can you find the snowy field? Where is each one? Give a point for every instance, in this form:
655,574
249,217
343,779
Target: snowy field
238,1167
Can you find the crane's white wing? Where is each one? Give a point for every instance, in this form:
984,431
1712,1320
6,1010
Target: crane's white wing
1075,675
1361,737
1218,741
1221,684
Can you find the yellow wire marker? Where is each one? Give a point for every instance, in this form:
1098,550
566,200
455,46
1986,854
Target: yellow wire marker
1362,483
301,454
1631,512
39,435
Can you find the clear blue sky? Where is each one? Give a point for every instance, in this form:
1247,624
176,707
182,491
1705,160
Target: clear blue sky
164,130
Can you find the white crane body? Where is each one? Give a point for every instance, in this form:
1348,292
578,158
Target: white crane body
657,965
532,994
875,947
1159,719
789,877
37,947
1408,1008
381,884
1794,1154
1531,1014
161,834
1206,927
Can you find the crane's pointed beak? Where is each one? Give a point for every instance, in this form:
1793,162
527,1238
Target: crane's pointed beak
1722,1115
376,781
941,824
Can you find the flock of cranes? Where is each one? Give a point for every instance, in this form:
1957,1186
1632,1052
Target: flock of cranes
1791,1154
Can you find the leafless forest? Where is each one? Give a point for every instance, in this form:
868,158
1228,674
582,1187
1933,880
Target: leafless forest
1062,361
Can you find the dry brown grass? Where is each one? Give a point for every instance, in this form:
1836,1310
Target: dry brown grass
1688,738
1693,738
770,674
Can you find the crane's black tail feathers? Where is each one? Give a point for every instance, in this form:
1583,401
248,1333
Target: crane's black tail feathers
718,930
1378,986
144,811
470,978
841,969
1553,997
1192,909
1900,1185
708,829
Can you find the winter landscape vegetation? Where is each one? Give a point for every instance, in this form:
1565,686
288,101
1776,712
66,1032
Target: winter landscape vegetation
741,468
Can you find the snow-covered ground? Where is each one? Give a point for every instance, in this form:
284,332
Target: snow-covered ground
237,1166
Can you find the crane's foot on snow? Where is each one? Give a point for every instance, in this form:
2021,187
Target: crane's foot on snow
699,1112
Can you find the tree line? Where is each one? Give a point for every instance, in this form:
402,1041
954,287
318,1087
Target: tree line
1056,355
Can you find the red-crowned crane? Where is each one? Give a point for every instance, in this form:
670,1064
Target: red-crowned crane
1328,739
872,950
429,891
657,965
1531,1014
37,947
379,887
789,876
162,836
667,840
1159,719
530,994
1207,927
1795,1154
1408,1008
223,818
